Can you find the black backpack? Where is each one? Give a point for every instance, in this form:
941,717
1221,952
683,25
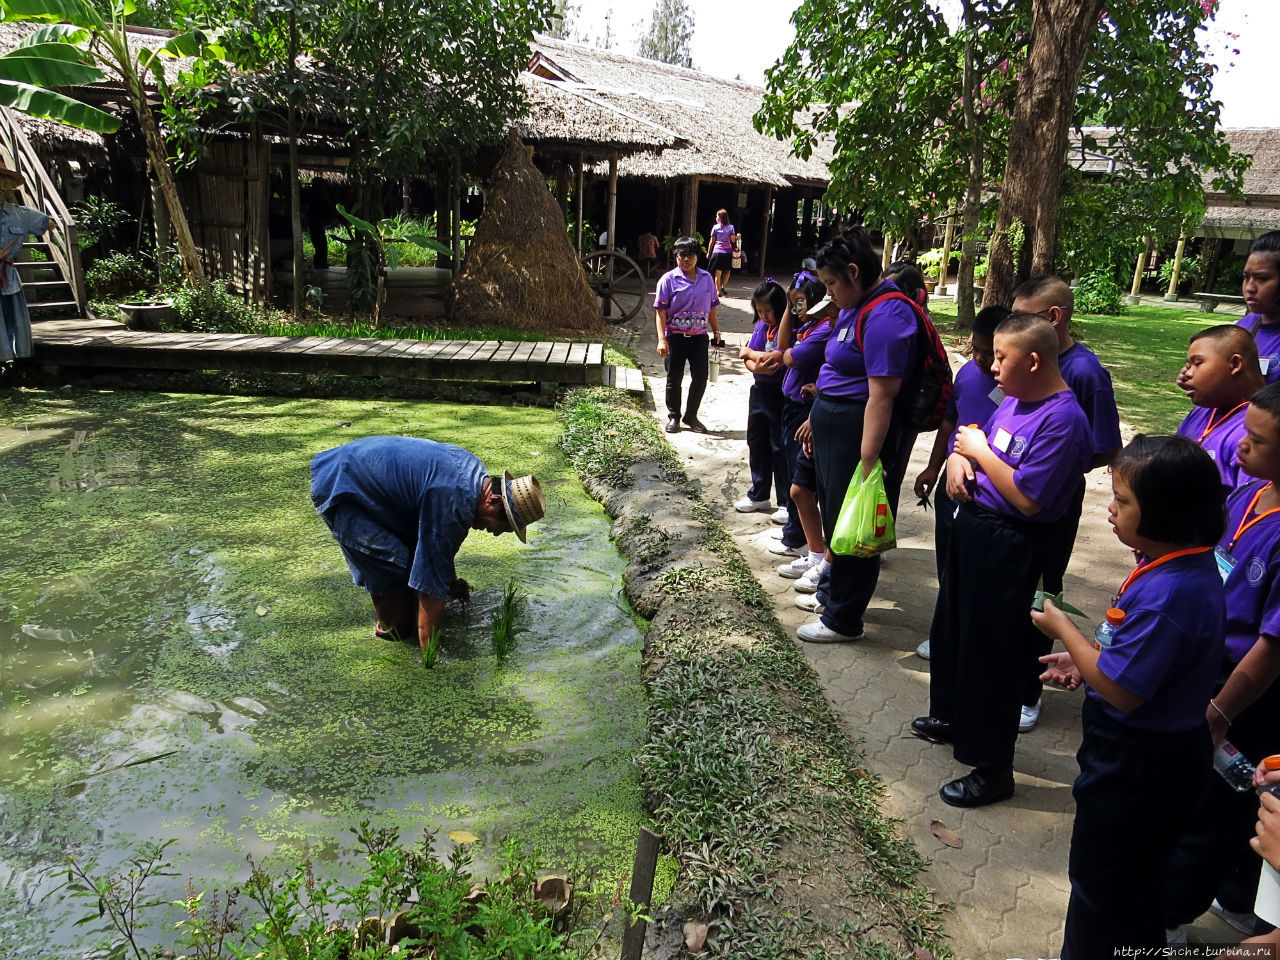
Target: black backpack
926,391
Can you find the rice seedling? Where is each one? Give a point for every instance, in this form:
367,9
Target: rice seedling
431,652
505,630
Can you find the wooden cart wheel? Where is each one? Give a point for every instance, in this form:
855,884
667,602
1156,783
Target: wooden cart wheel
618,281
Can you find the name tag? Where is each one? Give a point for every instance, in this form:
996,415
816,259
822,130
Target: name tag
1002,439
844,335
996,396
1265,364
1226,562
771,344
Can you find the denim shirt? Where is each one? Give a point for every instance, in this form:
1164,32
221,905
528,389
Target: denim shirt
404,500
16,224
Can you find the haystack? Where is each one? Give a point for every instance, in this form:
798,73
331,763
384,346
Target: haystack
521,270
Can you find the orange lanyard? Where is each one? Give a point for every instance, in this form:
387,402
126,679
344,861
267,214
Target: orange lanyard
1214,424
1245,522
1148,567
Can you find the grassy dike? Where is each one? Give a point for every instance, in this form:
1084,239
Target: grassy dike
759,794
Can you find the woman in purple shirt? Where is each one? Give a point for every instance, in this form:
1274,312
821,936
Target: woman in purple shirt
1261,289
685,309
853,421
720,250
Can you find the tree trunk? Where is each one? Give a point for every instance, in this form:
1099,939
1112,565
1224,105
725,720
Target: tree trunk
1026,231
295,187
972,191
157,155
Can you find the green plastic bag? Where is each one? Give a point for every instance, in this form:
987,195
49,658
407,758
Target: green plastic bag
864,527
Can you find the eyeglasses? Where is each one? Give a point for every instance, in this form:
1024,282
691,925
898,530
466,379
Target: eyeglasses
686,256
1045,313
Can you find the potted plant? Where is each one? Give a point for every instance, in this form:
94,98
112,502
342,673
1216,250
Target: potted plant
929,262
154,310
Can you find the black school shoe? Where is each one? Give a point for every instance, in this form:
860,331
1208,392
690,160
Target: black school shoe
673,425
978,788
694,424
931,729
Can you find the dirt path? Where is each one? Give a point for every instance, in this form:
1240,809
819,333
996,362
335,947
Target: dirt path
1008,882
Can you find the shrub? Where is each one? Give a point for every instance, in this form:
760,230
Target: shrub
1098,293
1188,275
118,275
98,219
209,308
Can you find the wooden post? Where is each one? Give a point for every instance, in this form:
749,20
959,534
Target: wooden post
690,206
806,224
1172,293
642,873
886,255
613,198
562,187
764,228
946,256
456,215
577,202
1134,298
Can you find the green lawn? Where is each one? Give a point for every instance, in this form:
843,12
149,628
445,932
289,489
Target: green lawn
1144,350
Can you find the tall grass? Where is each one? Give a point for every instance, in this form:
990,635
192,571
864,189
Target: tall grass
506,633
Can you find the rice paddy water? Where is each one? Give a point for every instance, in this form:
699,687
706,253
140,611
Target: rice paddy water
183,654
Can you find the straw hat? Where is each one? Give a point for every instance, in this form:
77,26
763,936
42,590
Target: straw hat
12,176
523,500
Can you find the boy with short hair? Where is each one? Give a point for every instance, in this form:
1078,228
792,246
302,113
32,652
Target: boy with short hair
1050,297
1011,481
1220,375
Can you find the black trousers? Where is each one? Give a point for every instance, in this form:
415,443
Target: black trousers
944,516
850,582
680,349
1135,795
766,455
976,652
1057,540
1213,858
793,414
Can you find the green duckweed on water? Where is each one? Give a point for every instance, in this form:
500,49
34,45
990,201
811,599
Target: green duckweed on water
167,591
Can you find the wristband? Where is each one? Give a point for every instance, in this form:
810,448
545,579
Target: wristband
1215,706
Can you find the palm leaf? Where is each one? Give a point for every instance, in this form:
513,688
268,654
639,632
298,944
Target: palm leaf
47,65
38,102
78,12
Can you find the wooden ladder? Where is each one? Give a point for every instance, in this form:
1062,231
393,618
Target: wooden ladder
52,277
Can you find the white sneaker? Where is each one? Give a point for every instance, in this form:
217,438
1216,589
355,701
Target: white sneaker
809,582
1241,921
808,602
747,505
799,566
775,533
782,550
1030,717
1176,936
780,516
922,651
819,632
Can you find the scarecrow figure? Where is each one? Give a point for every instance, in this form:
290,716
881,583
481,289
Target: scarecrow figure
16,224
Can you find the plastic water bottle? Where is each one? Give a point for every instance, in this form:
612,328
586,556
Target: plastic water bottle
1271,764
1234,767
1105,633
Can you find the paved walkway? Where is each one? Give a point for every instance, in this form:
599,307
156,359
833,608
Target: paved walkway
1008,882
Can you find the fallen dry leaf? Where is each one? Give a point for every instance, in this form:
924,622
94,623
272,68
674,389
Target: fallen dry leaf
695,935
946,834
462,836
921,952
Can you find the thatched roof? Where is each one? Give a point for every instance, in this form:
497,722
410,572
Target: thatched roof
564,115
713,115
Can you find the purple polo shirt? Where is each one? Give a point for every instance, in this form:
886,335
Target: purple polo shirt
974,398
1221,443
807,355
723,237
764,337
1090,381
1169,648
1253,588
889,347
688,302
1047,442
1267,336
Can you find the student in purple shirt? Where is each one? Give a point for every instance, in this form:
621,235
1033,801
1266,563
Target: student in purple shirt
684,309
1051,298
400,508
803,336
1012,481
720,250
1214,857
1261,289
1220,375
762,355
1144,755
974,398
854,421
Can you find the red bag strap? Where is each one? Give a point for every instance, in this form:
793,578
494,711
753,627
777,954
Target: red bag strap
859,320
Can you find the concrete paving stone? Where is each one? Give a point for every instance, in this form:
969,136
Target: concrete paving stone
1008,882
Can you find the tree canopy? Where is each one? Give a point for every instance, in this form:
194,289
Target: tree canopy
668,33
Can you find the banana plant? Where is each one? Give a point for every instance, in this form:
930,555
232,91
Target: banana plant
371,249
81,45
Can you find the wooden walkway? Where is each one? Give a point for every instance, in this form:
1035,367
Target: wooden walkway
100,343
